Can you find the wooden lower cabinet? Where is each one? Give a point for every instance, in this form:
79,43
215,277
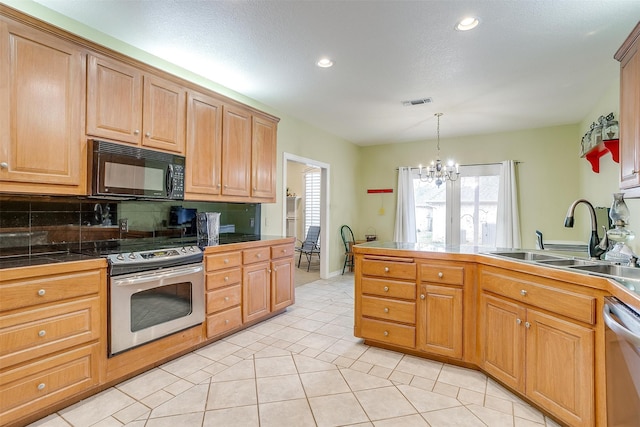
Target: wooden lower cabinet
439,325
256,291
549,359
52,335
282,283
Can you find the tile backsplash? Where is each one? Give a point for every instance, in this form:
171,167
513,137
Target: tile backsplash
31,222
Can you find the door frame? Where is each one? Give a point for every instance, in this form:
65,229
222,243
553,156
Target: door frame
324,204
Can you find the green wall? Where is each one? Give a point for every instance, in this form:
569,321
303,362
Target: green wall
550,176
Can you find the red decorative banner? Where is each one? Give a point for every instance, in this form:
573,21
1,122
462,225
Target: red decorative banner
380,190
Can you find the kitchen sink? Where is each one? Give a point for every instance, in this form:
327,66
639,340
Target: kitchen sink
527,256
610,270
566,262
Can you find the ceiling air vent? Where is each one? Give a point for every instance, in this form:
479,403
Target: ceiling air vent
417,102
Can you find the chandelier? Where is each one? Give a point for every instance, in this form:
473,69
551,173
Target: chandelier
436,171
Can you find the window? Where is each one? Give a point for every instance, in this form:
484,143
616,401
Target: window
311,199
460,213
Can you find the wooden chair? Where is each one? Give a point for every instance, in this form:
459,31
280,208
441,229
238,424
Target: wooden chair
349,241
310,245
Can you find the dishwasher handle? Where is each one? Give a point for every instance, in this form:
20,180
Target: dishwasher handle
616,327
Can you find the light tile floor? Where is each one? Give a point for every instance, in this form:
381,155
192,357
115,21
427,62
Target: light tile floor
303,368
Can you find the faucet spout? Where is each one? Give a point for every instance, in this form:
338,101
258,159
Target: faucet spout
595,251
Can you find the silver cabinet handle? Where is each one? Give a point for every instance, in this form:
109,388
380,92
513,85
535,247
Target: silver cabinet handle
42,333
41,292
523,293
4,165
440,274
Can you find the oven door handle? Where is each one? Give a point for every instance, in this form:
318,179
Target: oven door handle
616,327
158,275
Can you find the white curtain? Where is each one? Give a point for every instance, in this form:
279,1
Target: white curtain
508,218
405,230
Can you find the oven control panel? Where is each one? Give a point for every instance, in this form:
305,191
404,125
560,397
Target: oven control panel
154,256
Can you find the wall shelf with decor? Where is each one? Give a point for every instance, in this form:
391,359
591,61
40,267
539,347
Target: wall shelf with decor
602,148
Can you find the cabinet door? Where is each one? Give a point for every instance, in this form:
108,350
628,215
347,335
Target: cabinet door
163,115
439,324
263,159
255,292
503,340
41,112
204,147
282,285
560,367
236,152
114,100
630,119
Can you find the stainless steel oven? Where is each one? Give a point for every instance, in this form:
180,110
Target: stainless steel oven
153,294
622,348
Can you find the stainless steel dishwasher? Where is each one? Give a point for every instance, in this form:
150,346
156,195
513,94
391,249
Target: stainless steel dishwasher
623,363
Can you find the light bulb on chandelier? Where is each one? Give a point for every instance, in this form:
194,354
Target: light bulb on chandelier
437,171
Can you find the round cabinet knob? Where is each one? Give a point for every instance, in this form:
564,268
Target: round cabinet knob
4,165
226,278
259,255
148,135
136,132
440,274
41,386
226,186
226,322
269,271
41,292
386,269
422,296
226,261
255,189
42,333
386,310
132,256
519,321
385,333
284,251
120,257
386,289
218,186
523,293
527,325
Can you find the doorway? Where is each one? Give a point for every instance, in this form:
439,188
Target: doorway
300,174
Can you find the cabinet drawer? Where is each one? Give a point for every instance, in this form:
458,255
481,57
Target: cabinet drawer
41,331
37,385
388,309
281,251
393,269
221,299
390,333
223,260
250,256
566,303
388,288
450,275
47,289
224,321
223,278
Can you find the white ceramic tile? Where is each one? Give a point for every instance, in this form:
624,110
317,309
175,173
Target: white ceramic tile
361,381
352,350
527,412
147,383
307,325
421,367
491,417
323,383
179,386
244,338
400,377
273,366
336,410
190,401
275,389
290,334
53,420
243,416
380,371
157,398
425,401
194,419
422,383
230,394
186,365
309,364
271,352
218,350
446,389
97,407
132,412
108,422
343,362
315,340
239,371
463,377
521,422
383,403
288,413
408,421
453,417
380,357
501,405
469,396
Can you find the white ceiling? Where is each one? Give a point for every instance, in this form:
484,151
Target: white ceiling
529,64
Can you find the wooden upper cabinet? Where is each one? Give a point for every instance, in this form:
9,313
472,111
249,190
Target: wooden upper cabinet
263,159
204,147
629,57
126,105
236,152
114,100
41,112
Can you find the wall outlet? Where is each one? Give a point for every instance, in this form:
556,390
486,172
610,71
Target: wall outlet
124,224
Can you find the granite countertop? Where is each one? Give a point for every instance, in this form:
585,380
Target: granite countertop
30,260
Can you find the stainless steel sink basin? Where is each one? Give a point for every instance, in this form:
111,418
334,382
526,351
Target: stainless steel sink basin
526,256
610,270
568,262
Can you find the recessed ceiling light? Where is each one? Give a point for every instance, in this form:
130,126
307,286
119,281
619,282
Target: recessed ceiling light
468,23
324,63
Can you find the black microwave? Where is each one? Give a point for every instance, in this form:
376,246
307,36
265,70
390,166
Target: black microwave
121,171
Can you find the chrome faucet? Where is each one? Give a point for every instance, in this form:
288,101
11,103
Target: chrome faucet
595,249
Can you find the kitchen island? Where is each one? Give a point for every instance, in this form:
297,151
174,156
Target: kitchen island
536,329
